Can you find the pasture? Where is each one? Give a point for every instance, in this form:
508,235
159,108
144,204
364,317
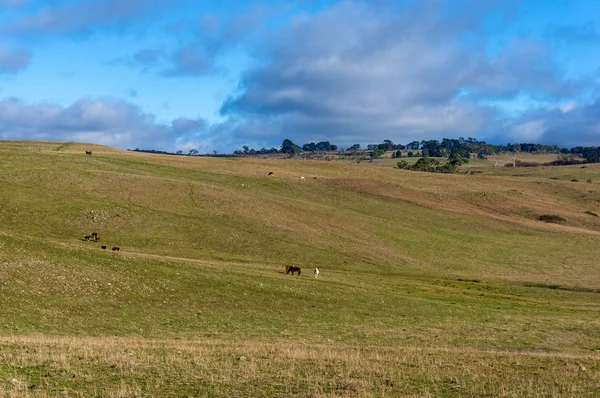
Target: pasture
430,285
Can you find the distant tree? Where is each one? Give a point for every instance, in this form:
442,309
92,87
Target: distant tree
289,147
398,154
310,147
246,148
387,145
413,145
410,154
591,154
355,147
333,147
565,151
432,148
179,152
192,152
376,154
323,146
393,155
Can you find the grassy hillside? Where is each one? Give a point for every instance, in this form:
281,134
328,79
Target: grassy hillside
430,284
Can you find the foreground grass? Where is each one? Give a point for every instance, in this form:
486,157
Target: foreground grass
41,366
431,285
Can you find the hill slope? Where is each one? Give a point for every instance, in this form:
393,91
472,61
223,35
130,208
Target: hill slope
407,259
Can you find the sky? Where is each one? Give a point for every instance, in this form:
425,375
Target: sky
216,75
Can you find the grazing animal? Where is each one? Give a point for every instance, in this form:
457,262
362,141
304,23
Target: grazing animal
104,247
87,237
270,173
292,269
302,177
88,153
95,236
116,249
316,272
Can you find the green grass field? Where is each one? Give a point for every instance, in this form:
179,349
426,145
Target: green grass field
431,285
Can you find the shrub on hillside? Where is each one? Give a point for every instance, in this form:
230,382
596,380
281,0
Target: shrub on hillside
432,165
551,218
521,163
564,161
403,165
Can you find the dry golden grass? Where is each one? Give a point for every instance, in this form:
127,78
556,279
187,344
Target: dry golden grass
119,367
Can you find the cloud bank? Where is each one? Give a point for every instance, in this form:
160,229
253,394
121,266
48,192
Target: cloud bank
348,74
107,121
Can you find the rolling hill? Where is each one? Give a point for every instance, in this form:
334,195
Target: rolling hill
430,284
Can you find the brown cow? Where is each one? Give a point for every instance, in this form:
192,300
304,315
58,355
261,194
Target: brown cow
87,237
88,153
116,249
104,247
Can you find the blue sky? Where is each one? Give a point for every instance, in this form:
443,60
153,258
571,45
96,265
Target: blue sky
216,75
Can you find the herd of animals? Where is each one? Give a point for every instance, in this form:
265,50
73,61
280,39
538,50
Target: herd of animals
94,237
289,268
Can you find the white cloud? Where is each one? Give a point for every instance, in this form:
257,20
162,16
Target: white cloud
368,71
107,121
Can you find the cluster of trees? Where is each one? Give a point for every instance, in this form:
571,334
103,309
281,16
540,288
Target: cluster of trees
320,146
434,165
191,152
464,147
251,151
398,154
446,148
288,147
591,154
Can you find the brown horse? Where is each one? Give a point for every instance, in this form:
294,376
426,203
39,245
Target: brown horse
292,269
